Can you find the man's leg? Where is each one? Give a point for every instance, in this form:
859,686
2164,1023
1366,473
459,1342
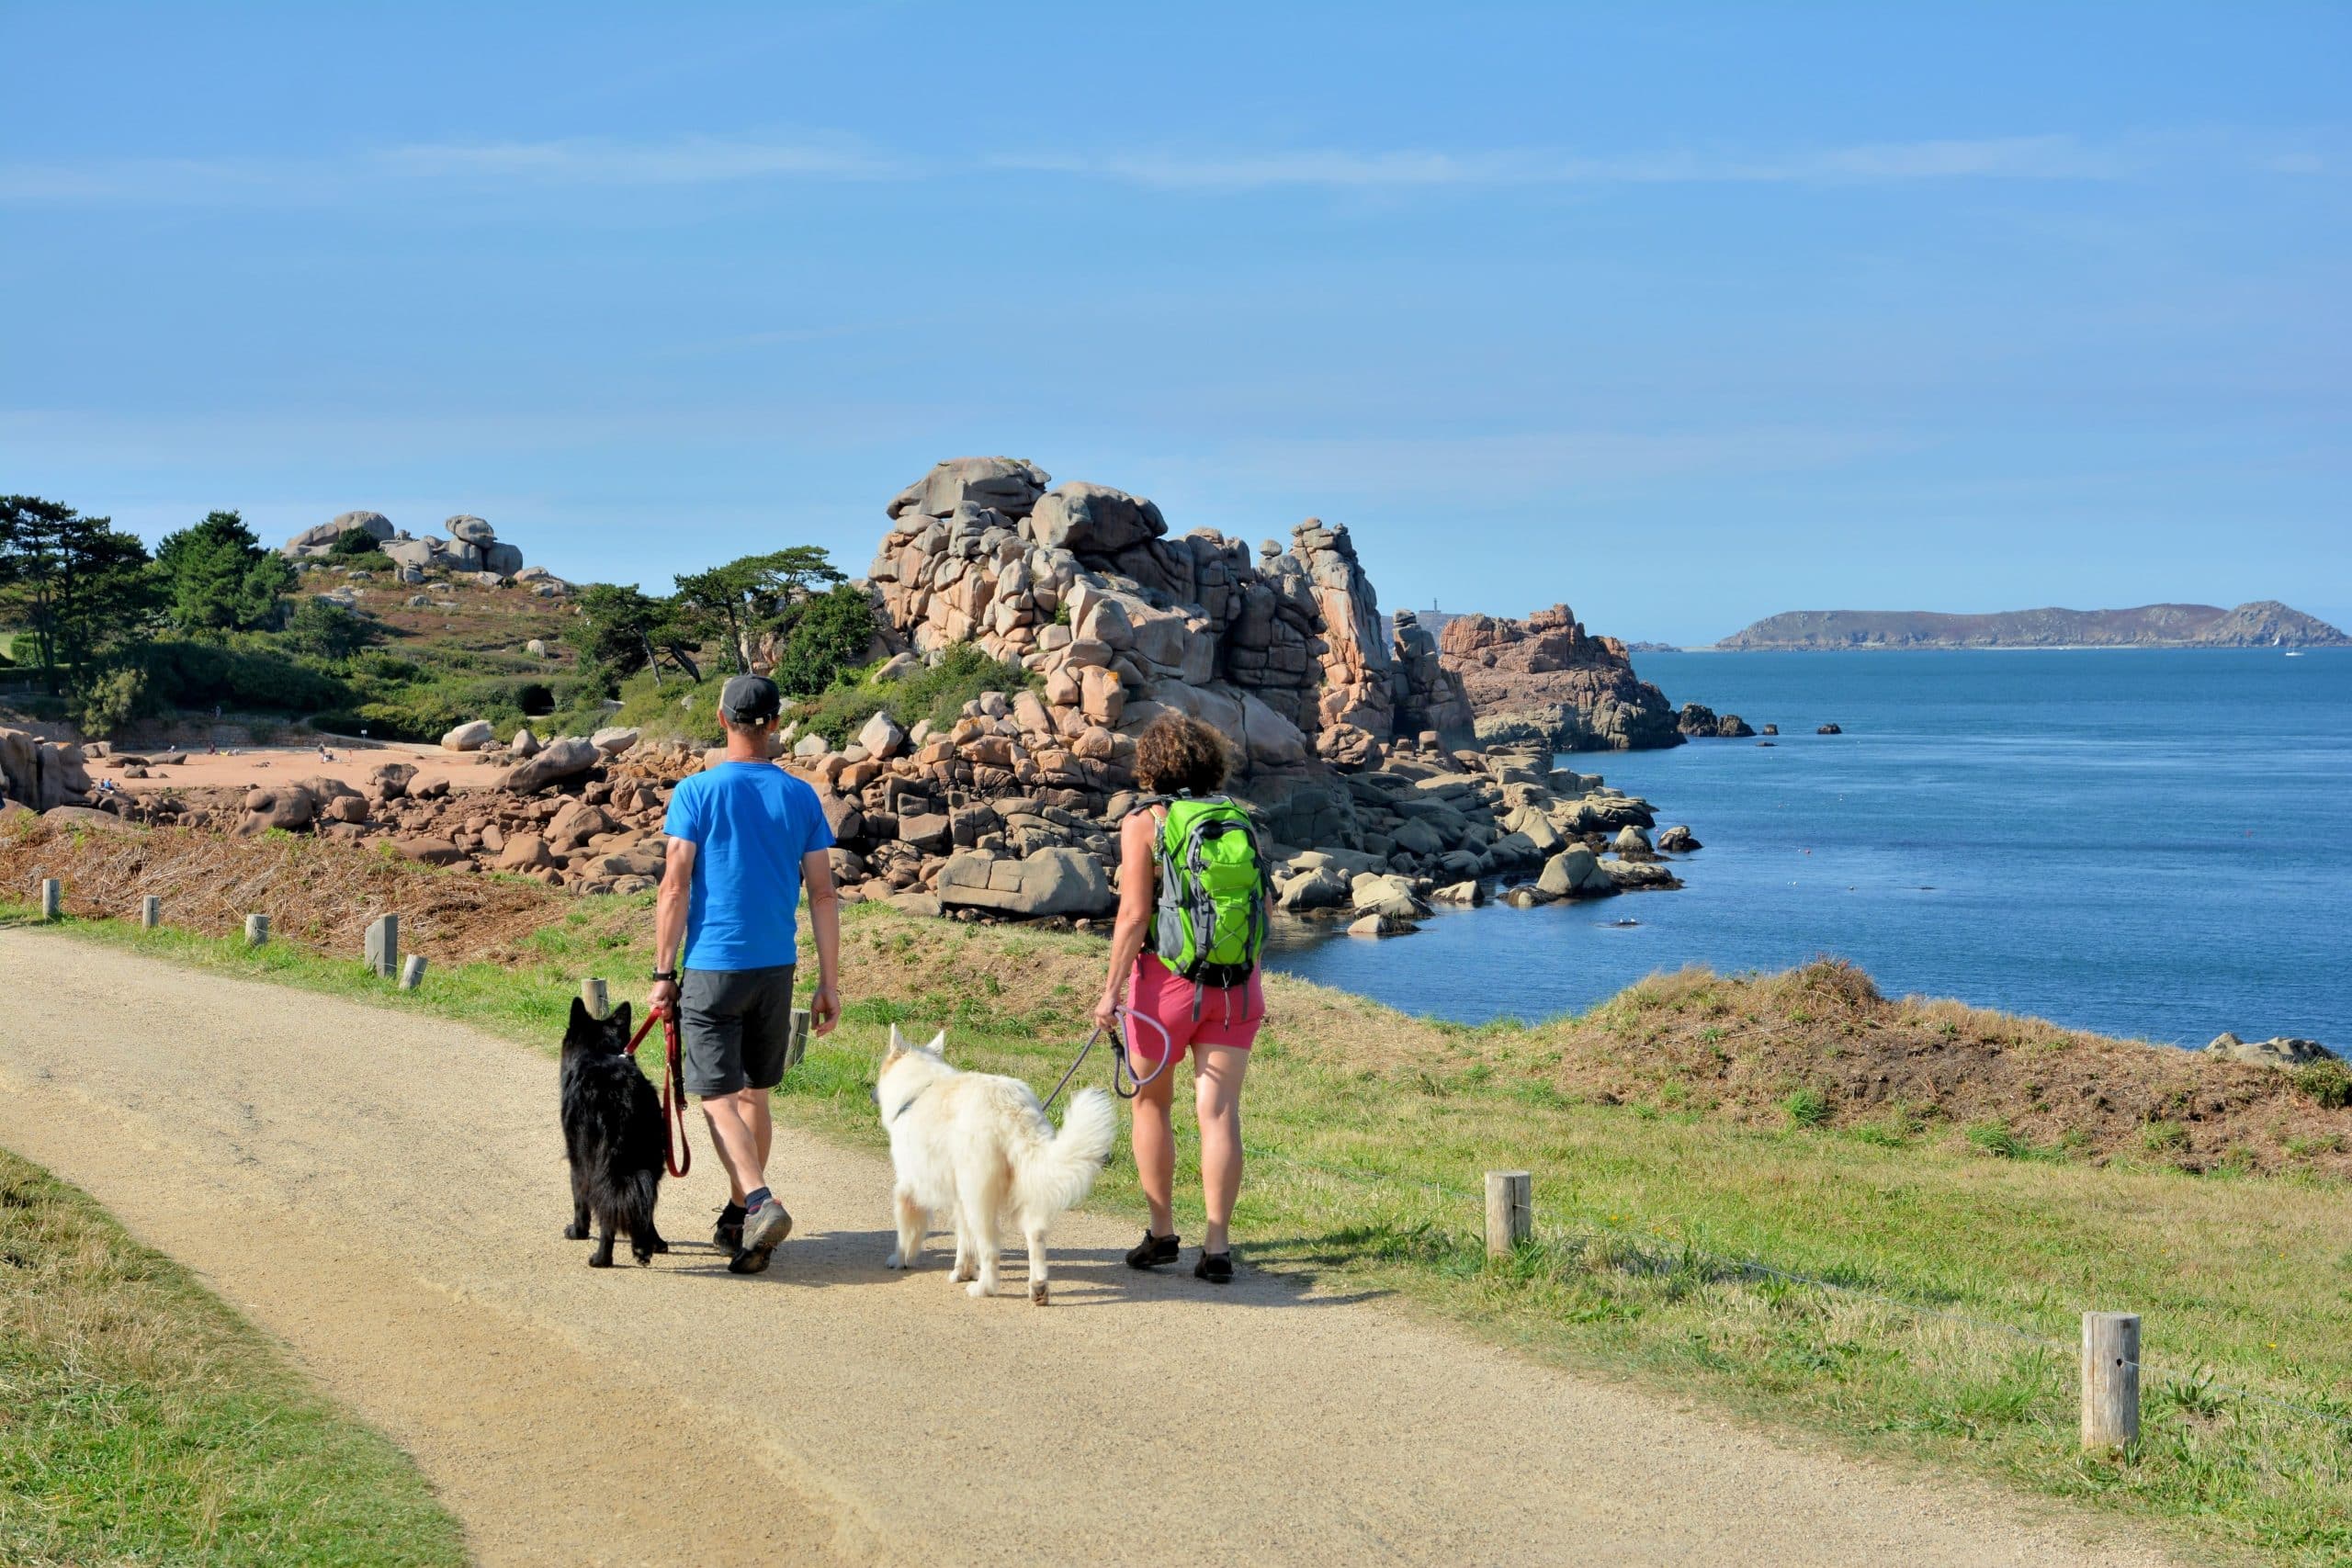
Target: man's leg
741,1130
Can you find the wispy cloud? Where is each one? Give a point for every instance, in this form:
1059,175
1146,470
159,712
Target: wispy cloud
2051,157
692,160
686,161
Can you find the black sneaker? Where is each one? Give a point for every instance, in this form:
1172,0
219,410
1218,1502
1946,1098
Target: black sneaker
763,1233
728,1234
1152,1251
1216,1268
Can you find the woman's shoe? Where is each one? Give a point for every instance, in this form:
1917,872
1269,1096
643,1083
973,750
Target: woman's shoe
1152,1251
1216,1268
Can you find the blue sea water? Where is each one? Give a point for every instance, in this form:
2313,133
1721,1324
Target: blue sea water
2155,844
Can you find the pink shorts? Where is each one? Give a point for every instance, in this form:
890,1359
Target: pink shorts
1227,1017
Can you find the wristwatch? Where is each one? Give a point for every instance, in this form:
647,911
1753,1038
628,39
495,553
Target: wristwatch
660,975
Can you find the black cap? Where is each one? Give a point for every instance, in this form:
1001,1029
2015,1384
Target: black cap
750,699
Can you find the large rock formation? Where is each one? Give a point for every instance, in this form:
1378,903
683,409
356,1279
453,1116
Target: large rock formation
1082,584
1427,695
1546,681
42,774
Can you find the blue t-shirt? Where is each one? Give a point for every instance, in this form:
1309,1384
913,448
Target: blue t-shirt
749,824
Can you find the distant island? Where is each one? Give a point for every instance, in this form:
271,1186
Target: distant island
2264,624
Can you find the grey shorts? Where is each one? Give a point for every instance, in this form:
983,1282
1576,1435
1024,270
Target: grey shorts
735,1026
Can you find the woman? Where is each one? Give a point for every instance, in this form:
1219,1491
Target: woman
1178,756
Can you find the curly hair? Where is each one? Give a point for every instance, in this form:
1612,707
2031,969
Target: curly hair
1178,754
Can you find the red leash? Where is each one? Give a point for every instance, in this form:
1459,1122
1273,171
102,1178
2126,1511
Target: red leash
676,1153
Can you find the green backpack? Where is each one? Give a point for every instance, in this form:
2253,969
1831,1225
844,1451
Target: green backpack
1212,920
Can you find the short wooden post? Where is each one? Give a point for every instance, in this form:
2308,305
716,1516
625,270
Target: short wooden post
798,1046
1511,1211
256,930
150,912
52,898
411,971
383,951
595,997
2110,1379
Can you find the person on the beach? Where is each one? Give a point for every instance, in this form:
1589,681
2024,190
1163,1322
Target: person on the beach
1184,758
744,838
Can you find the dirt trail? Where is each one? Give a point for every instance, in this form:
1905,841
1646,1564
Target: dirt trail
384,1194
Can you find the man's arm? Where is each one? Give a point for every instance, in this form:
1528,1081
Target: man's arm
825,916
670,921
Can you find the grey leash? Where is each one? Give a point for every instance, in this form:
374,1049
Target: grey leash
1119,1064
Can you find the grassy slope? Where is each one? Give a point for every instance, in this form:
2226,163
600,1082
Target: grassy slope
142,1421
1368,1132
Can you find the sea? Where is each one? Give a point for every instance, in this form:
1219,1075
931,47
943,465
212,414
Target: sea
2156,844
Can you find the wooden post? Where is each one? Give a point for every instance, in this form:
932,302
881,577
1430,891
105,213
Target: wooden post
1511,1211
2110,1379
256,930
150,912
411,971
798,1046
595,997
383,951
52,898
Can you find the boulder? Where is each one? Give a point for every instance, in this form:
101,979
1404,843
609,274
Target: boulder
614,740
471,530
1677,841
470,736
390,779
1374,893
1632,842
882,737
1572,871
577,823
1470,892
503,559
429,851
525,745
2280,1051
410,553
1003,484
1379,925
556,761
284,807
87,817
537,648
926,832
1318,887
524,852
1825,729
1049,882
1091,519
811,745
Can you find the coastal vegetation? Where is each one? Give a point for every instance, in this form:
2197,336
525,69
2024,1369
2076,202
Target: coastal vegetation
141,1420
1731,1200
104,634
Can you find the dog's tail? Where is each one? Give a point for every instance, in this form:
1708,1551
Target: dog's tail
1058,1174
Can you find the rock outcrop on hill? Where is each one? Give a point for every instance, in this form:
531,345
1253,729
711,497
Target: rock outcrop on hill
1545,680
42,775
2263,623
473,545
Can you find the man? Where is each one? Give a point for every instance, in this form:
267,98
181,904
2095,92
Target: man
744,837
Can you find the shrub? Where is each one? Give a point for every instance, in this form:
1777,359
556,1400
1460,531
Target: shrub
2328,1083
355,542
937,693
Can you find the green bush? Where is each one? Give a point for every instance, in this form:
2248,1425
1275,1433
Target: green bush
1807,1108
201,674
355,542
2327,1083
937,692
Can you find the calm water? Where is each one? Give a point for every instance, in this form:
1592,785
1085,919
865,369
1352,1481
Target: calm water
2156,844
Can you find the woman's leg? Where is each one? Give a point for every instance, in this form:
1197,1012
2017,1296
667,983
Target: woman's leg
1155,1144
1216,1098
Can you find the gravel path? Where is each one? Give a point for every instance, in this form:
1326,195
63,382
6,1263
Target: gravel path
384,1194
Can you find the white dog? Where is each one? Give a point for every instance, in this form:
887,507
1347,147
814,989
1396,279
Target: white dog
979,1148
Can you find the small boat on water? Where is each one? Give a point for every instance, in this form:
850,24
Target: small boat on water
2294,653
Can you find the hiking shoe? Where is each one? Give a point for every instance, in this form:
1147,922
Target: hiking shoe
1152,1251
763,1232
1216,1268
728,1234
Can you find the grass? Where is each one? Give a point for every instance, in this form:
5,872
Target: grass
142,1421
1673,1245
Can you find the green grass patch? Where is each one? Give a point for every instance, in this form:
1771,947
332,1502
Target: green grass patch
142,1421
1676,1248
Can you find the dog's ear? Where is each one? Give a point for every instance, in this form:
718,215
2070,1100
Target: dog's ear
618,1024
897,1040
582,1024
938,1046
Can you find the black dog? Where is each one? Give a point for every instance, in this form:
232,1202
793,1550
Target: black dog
612,1135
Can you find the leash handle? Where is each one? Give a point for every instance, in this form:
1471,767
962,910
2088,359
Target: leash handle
1119,1064
677,1154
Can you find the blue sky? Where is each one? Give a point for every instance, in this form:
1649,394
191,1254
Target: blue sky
1683,314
